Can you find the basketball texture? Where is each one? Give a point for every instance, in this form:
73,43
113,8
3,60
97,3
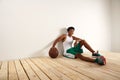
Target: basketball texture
53,52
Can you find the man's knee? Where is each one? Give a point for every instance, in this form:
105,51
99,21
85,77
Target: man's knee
82,41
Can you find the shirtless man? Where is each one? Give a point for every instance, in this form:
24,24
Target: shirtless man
76,51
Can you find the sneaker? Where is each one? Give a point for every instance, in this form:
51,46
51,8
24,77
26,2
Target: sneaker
101,60
96,54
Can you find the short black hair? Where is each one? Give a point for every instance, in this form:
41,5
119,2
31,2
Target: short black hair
70,28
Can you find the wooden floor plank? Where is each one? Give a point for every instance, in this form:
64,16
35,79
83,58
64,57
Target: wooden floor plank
112,62
112,55
60,68
55,71
38,71
0,64
20,71
12,71
87,71
104,69
29,71
65,70
4,71
46,70
109,68
112,66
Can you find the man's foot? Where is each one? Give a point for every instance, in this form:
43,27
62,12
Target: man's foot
101,60
96,54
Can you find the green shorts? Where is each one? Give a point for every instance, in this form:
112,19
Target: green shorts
75,50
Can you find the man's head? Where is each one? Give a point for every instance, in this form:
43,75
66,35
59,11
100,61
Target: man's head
70,30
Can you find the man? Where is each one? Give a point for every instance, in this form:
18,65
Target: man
76,51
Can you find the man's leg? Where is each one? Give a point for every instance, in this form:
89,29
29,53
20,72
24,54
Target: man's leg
83,42
100,60
85,58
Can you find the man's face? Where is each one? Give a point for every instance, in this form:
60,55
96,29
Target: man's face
71,32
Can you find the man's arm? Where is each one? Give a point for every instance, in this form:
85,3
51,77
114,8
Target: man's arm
59,39
76,40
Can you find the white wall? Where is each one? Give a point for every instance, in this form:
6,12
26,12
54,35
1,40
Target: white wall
115,31
28,27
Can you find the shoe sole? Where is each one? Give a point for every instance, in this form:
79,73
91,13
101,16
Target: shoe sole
104,60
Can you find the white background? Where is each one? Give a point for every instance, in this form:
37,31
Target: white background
29,27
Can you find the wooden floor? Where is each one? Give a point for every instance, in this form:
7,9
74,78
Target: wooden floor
45,68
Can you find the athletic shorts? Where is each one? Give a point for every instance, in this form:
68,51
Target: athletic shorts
74,50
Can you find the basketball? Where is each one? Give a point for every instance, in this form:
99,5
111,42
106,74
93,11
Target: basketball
53,52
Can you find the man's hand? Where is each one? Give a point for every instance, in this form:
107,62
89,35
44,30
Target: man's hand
77,41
